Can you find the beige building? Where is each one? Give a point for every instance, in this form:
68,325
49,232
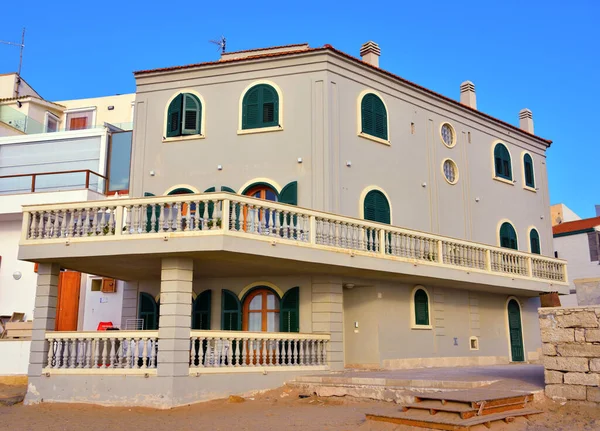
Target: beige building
297,210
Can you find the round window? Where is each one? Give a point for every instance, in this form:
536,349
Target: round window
450,171
448,136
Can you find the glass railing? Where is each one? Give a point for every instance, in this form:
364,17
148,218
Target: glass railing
52,182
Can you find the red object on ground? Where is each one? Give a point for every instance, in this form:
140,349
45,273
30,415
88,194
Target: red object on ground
103,325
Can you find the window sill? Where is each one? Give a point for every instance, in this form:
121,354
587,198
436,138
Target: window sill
260,130
504,180
182,138
374,139
426,327
531,189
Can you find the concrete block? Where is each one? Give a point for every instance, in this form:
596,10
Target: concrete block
580,335
45,301
327,307
47,289
578,319
547,322
327,327
167,369
175,298
549,349
592,335
171,321
175,310
595,364
566,364
44,324
327,297
327,288
553,377
593,394
47,280
174,286
175,333
583,350
177,263
43,313
327,317
585,379
558,335
566,392
176,275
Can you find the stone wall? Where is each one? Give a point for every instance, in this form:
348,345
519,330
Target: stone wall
571,352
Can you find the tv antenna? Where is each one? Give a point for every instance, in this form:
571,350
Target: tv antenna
221,43
21,46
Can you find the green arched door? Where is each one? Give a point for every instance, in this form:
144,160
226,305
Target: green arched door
515,331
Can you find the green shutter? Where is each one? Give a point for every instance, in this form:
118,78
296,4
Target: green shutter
192,114
231,311
516,332
502,162
373,116
421,308
289,194
534,241
260,107
227,189
148,311
528,167
201,311
174,116
508,236
377,207
289,314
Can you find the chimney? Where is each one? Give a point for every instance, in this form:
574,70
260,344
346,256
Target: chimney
526,120
370,53
467,94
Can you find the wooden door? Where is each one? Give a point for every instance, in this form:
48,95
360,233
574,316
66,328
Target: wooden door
67,307
515,331
78,123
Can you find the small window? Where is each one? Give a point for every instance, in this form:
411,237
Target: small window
448,135
184,115
450,171
373,117
376,207
474,343
508,236
534,241
51,123
421,304
502,163
260,107
80,120
528,168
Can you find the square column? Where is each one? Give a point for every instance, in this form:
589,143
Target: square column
44,316
328,316
175,317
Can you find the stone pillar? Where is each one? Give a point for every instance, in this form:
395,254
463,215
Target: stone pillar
175,318
328,316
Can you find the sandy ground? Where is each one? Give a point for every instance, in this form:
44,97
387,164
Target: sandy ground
273,410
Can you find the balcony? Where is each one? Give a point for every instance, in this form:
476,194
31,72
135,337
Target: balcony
228,234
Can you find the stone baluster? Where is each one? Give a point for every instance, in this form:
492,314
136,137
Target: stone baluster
178,208
229,351
193,342
112,228
40,227
263,355
277,360
288,356
215,215
32,224
277,215
48,225
271,222
233,218
296,352
301,352
72,352
145,358
50,359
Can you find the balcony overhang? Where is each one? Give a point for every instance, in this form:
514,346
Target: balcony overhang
267,239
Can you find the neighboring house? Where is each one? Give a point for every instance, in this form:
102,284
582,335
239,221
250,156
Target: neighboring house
579,243
295,210
560,213
48,164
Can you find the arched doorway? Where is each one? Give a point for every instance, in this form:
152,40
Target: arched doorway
148,311
515,331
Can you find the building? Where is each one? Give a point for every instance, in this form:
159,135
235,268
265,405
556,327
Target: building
578,241
55,152
295,210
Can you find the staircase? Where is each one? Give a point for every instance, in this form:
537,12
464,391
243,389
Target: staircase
460,410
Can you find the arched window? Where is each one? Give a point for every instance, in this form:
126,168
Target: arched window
528,170
260,107
261,311
421,307
373,116
534,241
508,236
148,311
184,115
377,207
201,311
502,162
262,191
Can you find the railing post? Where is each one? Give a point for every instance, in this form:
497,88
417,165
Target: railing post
565,275
25,225
312,229
33,176
225,214
488,261
87,179
529,264
119,220
440,250
382,247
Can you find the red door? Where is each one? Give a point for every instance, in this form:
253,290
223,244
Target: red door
67,307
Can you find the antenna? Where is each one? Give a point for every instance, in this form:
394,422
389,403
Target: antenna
21,46
221,43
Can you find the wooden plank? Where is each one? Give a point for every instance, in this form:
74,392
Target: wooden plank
493,410
471,395
416,423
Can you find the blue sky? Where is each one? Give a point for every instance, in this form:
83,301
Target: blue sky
542,55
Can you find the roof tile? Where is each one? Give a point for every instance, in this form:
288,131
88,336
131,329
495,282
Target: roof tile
573,226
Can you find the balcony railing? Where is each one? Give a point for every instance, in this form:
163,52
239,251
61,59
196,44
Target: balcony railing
52,182
225,213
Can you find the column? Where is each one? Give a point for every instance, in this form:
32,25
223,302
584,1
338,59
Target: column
175,317
44,316
328,316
